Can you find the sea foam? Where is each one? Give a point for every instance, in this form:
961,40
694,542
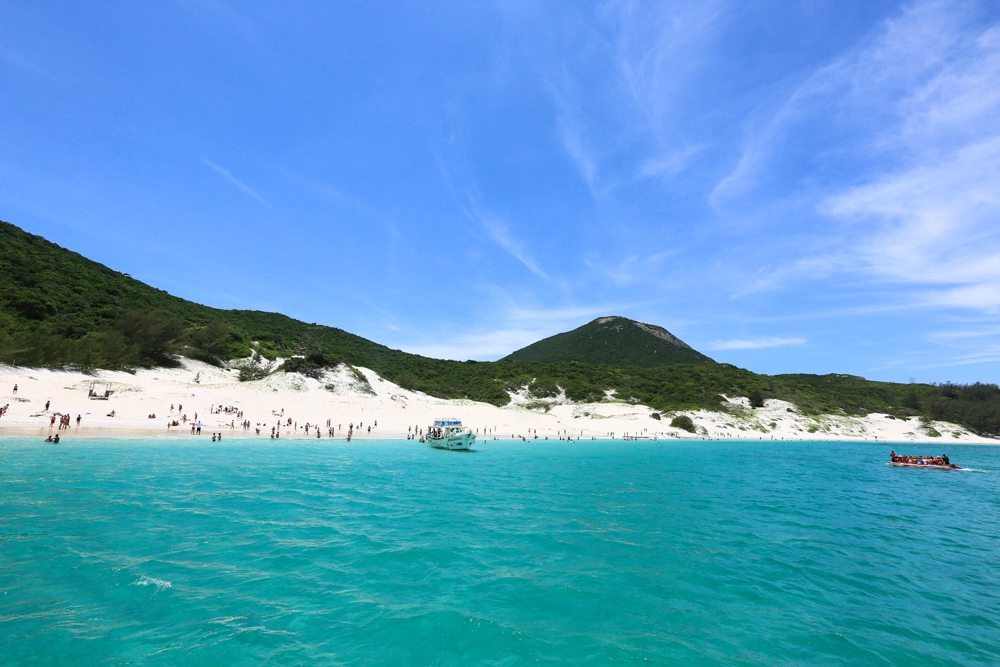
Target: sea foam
160,585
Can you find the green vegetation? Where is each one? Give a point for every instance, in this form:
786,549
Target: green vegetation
254,368
976,406
312,365
683,422
612,341
58,308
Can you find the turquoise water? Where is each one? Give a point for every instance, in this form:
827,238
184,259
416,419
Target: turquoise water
164,552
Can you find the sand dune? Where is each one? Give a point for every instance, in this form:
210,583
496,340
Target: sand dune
195,389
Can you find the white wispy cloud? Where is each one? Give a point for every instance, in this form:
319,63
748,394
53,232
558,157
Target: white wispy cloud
481,346
653,52
516,325
557,316
868,93
501,234
586,163
468,199
658,48
987,355
953,335
631,269
669,163
754,343
565,97
917,107
240,185
935,221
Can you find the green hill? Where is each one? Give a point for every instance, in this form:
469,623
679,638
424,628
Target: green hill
613,341
60,309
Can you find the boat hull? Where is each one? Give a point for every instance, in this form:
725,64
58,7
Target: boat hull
463,442
924,465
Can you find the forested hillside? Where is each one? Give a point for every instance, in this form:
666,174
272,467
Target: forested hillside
613,341
57,308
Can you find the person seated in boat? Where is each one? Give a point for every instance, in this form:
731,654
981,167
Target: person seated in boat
944,460
893,457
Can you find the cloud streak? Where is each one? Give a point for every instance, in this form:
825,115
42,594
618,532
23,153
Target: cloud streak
500,232
914,111
754,343
467,198
935,222
482,346
240,185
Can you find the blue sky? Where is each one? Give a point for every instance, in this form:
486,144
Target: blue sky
788,186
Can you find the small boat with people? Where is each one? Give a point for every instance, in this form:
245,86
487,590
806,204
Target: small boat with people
940,462
448,433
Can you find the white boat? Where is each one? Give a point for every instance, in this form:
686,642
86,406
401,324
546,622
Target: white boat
450,434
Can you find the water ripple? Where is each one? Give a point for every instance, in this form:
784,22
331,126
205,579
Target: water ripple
161,552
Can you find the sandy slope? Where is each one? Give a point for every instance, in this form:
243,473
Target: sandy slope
343,400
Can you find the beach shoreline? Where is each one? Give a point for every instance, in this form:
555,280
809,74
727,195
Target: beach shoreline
377,409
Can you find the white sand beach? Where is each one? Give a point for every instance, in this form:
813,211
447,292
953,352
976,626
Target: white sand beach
197,390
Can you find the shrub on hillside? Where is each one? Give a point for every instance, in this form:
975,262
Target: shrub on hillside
683,422
254,368
311,365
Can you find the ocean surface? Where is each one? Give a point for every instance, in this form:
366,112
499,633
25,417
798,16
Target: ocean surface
183,552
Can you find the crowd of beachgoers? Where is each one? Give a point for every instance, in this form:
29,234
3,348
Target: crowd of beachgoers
199,399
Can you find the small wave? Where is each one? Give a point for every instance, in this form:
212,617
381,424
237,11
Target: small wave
150,581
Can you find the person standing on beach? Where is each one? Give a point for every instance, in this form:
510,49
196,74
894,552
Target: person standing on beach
15,390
